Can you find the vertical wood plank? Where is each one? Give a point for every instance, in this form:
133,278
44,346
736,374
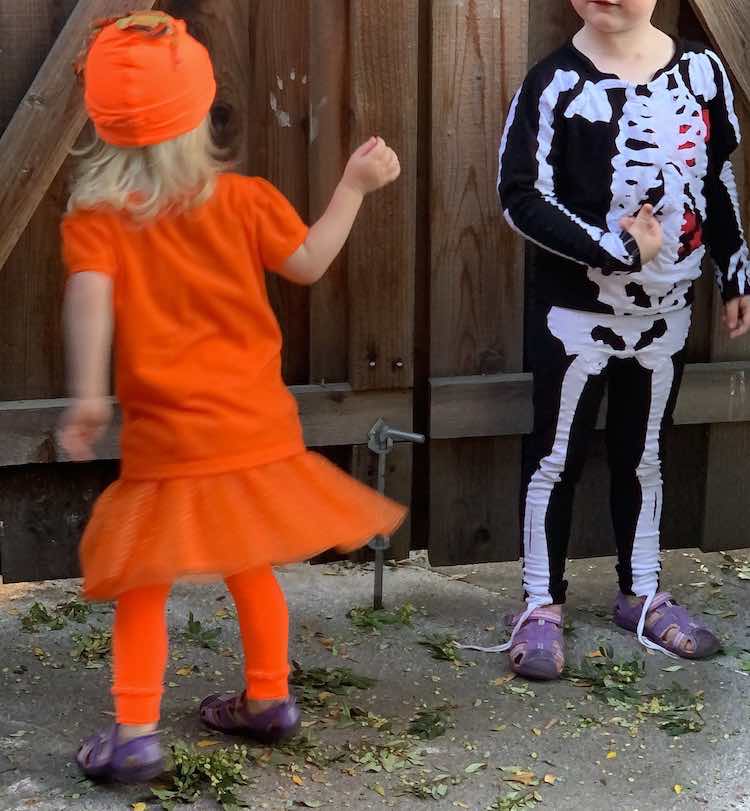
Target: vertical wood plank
550,24
383,75
330,137
728,475
480,56
420,500
222,25
31,363
278,149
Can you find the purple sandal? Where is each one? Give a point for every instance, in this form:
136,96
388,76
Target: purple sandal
537,646
229,714
139,760
669,616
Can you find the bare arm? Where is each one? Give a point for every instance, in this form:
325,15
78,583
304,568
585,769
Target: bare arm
88,334
88,324
372,166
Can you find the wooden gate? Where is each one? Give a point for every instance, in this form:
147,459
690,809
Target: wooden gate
421,321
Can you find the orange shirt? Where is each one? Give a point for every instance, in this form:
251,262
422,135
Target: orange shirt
197,345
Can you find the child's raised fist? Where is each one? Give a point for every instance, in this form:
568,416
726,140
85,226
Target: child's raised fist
372,166
646,231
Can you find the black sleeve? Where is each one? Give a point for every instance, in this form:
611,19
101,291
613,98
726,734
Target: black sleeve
723,233
527,188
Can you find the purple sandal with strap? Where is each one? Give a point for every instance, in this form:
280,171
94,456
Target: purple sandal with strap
692,639
102,758
229,714
537,650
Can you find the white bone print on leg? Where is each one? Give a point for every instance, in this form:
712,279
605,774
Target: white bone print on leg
592,340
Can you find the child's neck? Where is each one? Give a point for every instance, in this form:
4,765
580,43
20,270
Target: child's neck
634,55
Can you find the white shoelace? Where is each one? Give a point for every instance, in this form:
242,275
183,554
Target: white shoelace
534,604
647,643
530,608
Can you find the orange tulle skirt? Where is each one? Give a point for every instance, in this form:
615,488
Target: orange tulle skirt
156,532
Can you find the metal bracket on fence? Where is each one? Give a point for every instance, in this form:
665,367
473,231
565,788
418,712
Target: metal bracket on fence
382,438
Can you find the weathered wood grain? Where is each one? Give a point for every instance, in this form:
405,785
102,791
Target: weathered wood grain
46,125
479,57
330,139
383,76
727,22
500,405
331,415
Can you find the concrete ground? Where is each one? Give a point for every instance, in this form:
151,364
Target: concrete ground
585,753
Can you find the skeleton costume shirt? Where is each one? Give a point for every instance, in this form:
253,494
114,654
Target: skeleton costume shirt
581,150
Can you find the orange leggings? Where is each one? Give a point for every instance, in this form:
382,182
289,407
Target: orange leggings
140,644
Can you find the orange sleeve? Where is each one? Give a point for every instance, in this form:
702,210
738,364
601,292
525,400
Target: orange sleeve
87,243
279,228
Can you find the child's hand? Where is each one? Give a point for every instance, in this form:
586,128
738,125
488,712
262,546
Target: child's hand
646,230
736,316
371,167
82,425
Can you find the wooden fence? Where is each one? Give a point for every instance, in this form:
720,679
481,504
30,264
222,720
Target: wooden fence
421,321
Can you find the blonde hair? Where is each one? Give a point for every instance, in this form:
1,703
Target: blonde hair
148,181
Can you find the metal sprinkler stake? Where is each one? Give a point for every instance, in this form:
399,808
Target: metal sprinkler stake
381,441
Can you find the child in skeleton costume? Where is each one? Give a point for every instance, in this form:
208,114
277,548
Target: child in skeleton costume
615,161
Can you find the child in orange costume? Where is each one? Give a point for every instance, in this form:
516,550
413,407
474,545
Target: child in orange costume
216,481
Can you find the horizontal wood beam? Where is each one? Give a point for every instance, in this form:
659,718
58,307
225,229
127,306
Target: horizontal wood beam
47,123
331,415
500,405
727,22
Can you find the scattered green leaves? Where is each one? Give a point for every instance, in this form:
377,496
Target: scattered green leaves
92,648
75,610
676,710
39,616
430,723
221,772
738,566
370,619
436,789
608,677
197,634
516,800
392,756
318,685
442,648
336,680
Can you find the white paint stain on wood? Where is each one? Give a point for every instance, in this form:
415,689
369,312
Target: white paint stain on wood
282,116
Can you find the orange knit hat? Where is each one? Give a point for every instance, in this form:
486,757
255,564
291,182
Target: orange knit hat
147,80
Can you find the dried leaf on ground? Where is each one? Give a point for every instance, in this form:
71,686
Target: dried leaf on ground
524,777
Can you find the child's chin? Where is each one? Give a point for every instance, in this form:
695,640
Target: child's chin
606,22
